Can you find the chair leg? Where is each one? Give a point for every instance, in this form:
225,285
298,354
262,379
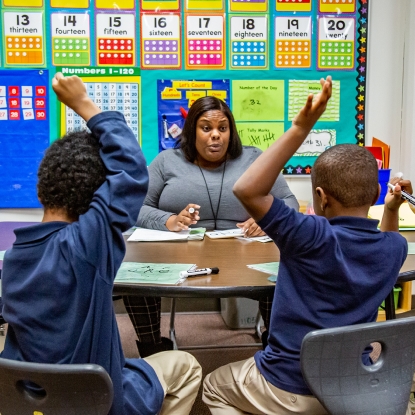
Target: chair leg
172,329
258,325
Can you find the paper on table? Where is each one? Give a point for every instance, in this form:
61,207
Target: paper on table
226,233
406,216
262,239
150,273
267,267
2,255
152,235
258,100
411,248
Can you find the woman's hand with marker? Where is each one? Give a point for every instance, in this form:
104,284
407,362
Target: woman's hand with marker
188,216
250,228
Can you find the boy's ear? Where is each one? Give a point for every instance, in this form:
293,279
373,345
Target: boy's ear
377,195
322,198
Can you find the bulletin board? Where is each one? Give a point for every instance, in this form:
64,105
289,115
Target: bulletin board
151,59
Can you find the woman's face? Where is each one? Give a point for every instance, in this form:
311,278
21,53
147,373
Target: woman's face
212,138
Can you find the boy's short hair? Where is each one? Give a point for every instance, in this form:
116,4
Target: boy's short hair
348,173
70,173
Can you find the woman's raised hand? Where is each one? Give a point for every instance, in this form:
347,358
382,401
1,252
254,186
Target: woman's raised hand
188,216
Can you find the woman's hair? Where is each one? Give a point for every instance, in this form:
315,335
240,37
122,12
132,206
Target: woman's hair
187,142
70,173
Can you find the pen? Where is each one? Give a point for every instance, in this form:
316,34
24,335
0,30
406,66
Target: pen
405,195
200,271
191,210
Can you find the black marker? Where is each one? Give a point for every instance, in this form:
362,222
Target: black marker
404,195
200,271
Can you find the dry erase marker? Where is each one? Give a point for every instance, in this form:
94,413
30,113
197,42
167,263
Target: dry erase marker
405,195
200,271
191,210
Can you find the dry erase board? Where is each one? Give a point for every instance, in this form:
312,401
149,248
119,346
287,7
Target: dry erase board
150,59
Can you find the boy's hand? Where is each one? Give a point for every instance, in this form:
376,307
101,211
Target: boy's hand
314,107
393,199
71,91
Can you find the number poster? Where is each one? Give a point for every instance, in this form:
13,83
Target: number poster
151,59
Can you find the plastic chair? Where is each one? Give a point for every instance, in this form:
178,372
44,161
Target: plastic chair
79,389
331,362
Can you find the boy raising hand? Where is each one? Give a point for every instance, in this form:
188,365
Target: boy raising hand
328,264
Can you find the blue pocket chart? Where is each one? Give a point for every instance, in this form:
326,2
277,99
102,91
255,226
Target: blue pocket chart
24,126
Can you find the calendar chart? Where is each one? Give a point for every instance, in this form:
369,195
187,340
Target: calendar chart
337,6
294,5
110,94
257,6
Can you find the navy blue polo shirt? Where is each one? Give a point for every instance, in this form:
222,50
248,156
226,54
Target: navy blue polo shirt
332,273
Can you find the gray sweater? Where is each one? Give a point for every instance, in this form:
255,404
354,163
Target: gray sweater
175,182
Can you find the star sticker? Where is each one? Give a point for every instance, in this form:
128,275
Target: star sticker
363,10
361,88
360,126
360,117
361,78
299,170
289,170
362,50
363,39
362,59
361,98
308,170
363,30
364,1
362,68
360,136
360,107
363,20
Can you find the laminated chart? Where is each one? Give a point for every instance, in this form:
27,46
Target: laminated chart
256,6
160,41
259,134
70,39
204,5
115,93
23,3
336,43
337,6
69,4
299,91
24,124
115,42
23,38
205,41
317,142
294,5
160,5
293,42
258,100
248,42
115,4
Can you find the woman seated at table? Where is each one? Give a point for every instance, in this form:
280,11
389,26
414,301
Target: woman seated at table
198,174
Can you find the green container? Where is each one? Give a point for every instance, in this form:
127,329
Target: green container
396,291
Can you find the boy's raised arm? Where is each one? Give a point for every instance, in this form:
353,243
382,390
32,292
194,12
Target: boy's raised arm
71,91
253,187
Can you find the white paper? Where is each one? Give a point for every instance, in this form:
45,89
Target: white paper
151,235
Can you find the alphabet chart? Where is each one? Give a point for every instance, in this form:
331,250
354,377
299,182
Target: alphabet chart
110,94
262,57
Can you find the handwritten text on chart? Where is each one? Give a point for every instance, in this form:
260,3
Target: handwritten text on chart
260,135
316,142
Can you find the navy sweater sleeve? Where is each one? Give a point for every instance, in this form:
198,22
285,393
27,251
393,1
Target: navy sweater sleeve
116,204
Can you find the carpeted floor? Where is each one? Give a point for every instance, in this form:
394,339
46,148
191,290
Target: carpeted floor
197,329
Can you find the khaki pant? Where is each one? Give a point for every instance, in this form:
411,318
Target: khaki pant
180,375
239,388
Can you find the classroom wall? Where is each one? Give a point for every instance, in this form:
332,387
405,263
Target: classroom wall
390,89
